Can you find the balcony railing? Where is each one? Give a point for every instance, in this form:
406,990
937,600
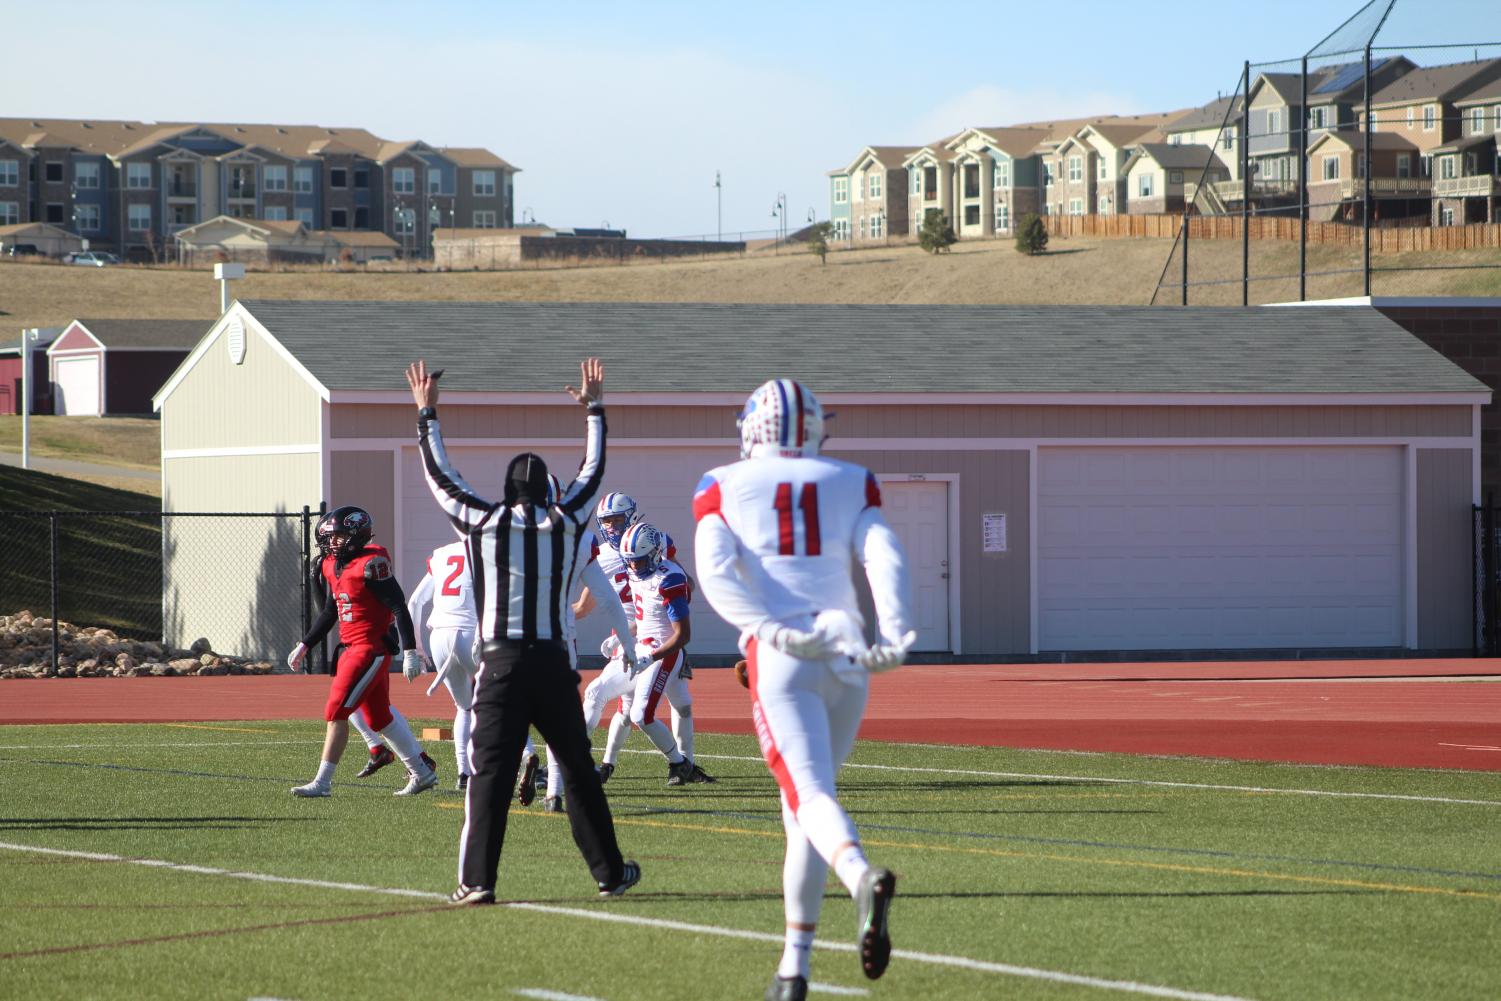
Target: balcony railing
1458,187
242,191
1399,187
182,188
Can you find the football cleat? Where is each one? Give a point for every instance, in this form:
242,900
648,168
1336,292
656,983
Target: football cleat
429,762
380,757
462,785
605,771
872,907
471,895
418,782
311,791
526,789
680,774
553,804
685,672
699,775
630,875
788,989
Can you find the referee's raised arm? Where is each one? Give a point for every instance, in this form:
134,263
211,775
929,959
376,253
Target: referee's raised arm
591,395
463,507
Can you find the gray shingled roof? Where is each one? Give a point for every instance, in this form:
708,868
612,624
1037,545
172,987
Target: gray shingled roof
691,347
165,334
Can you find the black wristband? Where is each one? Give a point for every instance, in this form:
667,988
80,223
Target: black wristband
596,408
427,414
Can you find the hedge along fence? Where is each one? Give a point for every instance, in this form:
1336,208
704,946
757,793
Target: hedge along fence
1384,239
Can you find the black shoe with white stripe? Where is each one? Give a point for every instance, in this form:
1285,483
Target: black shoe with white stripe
630,875
379,758
471,895
526,789
787,989
872,907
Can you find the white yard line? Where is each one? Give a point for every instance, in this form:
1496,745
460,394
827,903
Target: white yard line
1119,781
814,987
126,747
543,994
615,917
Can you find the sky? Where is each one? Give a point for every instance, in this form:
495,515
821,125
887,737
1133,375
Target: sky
622,113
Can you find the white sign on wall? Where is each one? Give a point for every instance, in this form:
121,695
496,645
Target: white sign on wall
993,530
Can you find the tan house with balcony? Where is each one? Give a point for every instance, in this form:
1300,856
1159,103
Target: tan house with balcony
1337,177
1420,106
1166,177
1467,172
879,191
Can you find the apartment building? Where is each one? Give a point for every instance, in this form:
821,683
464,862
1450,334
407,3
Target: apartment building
1467,171
868,197
1217,125
131,186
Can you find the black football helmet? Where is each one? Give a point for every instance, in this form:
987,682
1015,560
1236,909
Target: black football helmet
344,531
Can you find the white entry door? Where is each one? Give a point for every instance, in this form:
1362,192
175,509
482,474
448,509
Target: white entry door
918,511
76,389
1219,548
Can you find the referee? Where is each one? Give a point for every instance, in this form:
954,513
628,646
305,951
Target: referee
523,555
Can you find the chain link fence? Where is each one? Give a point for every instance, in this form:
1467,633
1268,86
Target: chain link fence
238,580
1487,579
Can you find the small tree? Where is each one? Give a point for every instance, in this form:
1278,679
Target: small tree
818,240
1032,235
937,234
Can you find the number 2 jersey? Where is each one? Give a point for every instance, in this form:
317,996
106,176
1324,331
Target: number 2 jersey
796,526
452,588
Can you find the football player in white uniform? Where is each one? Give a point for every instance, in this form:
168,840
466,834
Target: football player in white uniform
615,513
778,536
660,596
450,648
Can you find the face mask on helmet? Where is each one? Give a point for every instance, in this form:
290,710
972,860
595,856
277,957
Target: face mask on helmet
344,531
641,549
781,418
615,513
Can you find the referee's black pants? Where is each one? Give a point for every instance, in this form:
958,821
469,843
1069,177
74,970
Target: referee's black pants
526,683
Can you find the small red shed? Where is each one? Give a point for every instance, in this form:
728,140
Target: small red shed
113,367
41,381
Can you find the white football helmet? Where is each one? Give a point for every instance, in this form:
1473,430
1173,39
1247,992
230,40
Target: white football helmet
641,548
612,506
554,489
781,418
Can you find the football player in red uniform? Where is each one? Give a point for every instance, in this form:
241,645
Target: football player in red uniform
365,600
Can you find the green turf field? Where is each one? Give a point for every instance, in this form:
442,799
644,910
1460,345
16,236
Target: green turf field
1022,875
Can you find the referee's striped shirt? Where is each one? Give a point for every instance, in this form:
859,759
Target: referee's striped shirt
523,558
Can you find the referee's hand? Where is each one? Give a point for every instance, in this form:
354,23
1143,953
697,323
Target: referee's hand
591,374
424,384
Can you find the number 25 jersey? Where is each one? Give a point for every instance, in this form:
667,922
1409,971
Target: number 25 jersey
796,518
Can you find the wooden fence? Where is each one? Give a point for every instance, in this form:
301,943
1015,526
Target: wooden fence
1384,239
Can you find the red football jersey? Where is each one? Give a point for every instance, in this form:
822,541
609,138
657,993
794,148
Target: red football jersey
363,618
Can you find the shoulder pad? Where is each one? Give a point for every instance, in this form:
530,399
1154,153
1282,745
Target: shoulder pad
706,498
377,568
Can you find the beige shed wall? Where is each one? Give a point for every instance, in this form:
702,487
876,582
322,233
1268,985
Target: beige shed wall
1445,515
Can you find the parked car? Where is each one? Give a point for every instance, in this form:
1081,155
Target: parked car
93,258
21,250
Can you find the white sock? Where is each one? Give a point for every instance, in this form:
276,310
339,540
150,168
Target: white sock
682,729
530,749
399,735
554,776
463,724
357,720
620,730
662,738
795,952
325,776
850,866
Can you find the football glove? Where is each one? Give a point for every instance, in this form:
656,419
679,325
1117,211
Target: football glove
611,647
411,664
644,660
886,656
798,643
294,659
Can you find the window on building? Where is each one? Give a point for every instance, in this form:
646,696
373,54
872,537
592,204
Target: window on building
86,175
10,213
10,173
1477,121
338,177
862,227
1104,171
484,183
404,180
1144,184
1047,172
1360,165
138,217
1318,118
338,218
1175,139
1175,177
54,171
873,185
302,180
1075,168
877,226
1003,218
361,217
1273,122
841,190
184,215
303,215
842,229
1076,206
1496,118
434,181
484,219
1331,168
1002,174
405,222
361,177
1430,117
138,175
916,176
1446,167
275,213
54,212
1227,139
274,178
971,215
1404,165
1411,117
87,217
1472,163
1426,161
1446,215
930,182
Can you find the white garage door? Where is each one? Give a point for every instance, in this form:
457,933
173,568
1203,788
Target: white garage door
1205,548
76,389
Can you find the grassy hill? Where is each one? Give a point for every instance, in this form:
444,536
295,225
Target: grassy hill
1080,271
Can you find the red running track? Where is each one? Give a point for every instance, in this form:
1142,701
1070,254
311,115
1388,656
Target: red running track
1392,713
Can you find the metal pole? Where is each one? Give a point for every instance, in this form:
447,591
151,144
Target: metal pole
1303,188
1365,183
25,398
1185,257
1245,185
52,549
307,568
718,209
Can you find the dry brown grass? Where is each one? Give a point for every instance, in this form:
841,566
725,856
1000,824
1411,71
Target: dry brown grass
1078,271
117,441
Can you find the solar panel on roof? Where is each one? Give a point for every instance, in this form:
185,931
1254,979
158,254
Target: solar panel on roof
1347,75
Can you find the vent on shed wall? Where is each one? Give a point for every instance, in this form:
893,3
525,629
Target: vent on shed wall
235,338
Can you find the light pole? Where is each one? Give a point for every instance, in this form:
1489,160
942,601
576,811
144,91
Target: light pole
718,209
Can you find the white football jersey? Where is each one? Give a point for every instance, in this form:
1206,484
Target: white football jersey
656,601
796,518
613,564
453,588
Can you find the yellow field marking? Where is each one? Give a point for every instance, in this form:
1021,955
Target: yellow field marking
229,729
1052,857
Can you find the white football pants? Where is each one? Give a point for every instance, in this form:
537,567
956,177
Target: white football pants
460,684
806,717
639,697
